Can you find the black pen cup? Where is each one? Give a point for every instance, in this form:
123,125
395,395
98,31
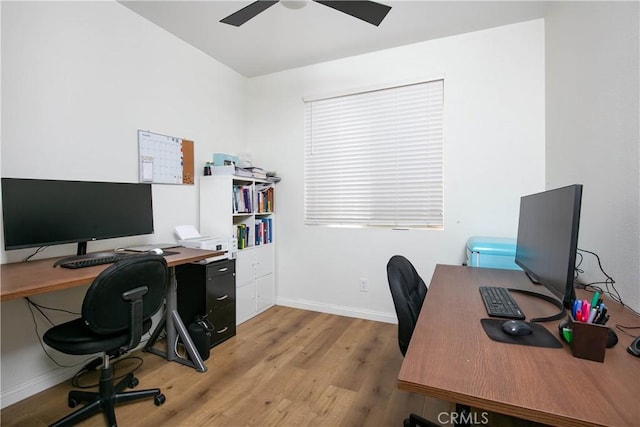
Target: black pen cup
589,340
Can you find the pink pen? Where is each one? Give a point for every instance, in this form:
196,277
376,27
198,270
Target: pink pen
586,309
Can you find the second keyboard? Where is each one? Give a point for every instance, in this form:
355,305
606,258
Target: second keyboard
499,303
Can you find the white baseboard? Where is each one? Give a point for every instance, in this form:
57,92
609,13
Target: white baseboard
339,310
45,381
35,385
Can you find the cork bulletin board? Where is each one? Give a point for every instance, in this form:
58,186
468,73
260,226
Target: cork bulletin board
165,159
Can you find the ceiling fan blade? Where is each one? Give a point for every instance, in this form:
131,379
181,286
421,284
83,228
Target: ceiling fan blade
368,11
243,15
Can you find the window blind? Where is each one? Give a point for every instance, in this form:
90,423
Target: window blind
375,158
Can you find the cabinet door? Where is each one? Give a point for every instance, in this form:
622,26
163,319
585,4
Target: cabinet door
263,260
265,290
245,302
245,271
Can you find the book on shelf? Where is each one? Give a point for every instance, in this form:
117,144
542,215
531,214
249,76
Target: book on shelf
264,198
242,199
242,235
263,233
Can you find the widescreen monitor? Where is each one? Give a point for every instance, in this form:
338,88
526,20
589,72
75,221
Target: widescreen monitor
39,212
548,239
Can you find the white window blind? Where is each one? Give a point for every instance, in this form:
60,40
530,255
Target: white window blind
375,158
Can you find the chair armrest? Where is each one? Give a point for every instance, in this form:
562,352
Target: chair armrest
134,296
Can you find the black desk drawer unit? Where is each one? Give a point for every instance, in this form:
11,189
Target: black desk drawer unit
221,299
209,289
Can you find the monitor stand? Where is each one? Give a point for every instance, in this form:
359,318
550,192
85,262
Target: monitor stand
82,248
533,278
547,298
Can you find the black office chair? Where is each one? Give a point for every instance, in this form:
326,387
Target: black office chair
116,312
408,291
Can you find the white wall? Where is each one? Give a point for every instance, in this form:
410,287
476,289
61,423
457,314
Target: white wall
78,80
593,130
494,153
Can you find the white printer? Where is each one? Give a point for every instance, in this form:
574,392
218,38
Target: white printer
203,242
189,237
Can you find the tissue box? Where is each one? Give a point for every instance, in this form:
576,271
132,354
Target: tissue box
492,252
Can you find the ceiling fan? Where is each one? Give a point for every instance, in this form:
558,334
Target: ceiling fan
368,11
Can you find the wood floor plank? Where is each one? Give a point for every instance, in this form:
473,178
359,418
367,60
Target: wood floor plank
285,367
296,414
324,337
361,359
332,405
373,395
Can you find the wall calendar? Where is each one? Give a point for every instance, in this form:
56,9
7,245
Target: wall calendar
165,159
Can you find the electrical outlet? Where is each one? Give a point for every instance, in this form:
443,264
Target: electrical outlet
364,284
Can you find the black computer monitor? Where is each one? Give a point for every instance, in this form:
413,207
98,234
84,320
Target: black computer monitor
39,212
548,239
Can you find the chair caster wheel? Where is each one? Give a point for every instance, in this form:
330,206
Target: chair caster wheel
72,403
133,382
159,399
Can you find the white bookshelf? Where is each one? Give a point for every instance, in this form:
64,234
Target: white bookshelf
221,215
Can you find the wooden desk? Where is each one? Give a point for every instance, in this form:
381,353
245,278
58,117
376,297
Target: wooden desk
451,358
23,279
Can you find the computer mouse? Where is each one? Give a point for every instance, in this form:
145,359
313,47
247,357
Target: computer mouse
612,338
156,251
516,328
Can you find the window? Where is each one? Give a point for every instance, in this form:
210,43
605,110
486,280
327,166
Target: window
375,158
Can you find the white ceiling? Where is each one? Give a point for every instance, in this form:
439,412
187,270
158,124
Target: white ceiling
280,38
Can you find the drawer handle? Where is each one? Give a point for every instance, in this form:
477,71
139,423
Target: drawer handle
223,330
223,269
222,298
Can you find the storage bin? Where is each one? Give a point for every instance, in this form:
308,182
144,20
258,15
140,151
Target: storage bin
221,159
491,252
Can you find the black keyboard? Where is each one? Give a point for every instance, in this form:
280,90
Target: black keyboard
499,303
91,260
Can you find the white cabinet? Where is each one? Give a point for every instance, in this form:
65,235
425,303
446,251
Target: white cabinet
255,285
265,292
245,302
243,208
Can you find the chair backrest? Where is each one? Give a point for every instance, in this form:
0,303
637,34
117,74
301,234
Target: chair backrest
408,291
106,311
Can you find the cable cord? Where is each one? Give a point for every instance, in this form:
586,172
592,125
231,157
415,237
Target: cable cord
75,381
624,329
31,306
609,283
40,306
40,249
87,362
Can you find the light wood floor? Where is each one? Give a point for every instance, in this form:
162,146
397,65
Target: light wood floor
285,367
